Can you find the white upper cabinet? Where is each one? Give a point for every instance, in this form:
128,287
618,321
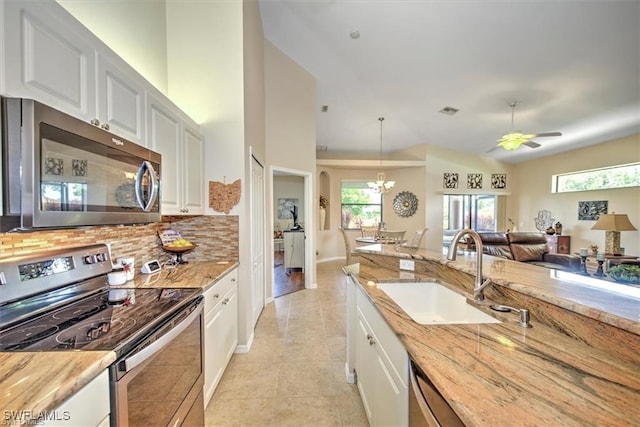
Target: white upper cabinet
181,146
193,167
47,58
121,100
164,137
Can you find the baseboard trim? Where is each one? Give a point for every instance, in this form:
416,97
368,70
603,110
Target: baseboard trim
351,375
335,258
244,348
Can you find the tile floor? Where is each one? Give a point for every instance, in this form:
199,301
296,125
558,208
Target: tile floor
294,373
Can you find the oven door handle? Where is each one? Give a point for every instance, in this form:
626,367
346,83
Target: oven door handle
146,166
146,353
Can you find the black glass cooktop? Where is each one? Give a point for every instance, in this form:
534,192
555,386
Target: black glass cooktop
104,321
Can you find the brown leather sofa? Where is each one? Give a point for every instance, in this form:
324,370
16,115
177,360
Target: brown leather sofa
529,247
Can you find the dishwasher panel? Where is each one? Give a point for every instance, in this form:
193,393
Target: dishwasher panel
427,407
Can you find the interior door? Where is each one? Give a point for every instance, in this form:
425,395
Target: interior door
257,239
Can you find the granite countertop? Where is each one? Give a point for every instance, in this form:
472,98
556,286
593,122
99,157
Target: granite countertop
39,381
608,302
190,275
501,373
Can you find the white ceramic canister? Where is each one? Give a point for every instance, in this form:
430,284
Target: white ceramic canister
117,278
128,263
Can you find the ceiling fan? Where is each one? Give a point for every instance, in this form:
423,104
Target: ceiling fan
514,139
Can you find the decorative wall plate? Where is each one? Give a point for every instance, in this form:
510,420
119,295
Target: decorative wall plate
405,204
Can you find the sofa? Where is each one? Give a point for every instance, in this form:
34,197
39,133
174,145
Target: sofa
528,247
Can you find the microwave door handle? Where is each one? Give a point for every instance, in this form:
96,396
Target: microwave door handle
146,166
155,184
140,357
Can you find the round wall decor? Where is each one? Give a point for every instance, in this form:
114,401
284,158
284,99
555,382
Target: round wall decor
405,204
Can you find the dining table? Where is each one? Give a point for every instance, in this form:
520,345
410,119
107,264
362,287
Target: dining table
374,240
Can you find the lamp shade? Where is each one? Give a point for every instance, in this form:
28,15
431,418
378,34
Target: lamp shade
613,222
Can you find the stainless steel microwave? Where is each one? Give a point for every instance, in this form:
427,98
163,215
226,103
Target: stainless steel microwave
59,172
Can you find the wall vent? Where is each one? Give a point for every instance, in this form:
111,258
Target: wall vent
449,111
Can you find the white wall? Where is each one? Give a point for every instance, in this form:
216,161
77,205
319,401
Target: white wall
290,99
533,190
136,30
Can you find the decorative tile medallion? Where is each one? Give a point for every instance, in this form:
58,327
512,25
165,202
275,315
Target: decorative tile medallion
450,180
53,166
498,180
474,180
78,167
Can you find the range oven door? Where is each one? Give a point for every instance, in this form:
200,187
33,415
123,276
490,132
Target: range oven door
160,382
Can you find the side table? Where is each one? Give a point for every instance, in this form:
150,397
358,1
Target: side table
559,244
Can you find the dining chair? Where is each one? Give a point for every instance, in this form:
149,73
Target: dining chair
369,232
351,259
392,236
416,240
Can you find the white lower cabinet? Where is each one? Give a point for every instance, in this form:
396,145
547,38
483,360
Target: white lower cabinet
220,330
382,367
293,249
88,407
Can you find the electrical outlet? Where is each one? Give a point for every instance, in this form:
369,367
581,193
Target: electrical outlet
407,264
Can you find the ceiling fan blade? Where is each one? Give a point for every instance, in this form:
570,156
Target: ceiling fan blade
531,144
546,134
495,147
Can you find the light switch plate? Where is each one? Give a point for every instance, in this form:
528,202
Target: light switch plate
407,264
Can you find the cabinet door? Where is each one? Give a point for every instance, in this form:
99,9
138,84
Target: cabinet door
213,356
365,366
193,161
121,102
164,137
390,395
88,407
49,57
230,324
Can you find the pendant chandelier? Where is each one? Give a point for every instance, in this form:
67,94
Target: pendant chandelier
381,185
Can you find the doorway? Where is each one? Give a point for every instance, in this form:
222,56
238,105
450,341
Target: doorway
291,226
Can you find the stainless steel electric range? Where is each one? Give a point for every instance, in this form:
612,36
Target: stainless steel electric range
59,301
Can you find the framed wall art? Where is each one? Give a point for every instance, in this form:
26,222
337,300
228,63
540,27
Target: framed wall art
474,180
590,211
450,180
285,206
498,180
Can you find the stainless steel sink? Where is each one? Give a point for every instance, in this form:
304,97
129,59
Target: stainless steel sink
430,303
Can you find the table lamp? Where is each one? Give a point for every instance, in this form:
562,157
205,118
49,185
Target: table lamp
613,224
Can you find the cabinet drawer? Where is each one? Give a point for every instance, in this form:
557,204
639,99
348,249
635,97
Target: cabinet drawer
215,293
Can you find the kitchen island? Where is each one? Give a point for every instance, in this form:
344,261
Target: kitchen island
578,365
33,382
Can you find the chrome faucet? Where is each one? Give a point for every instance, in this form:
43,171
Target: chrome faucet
479,286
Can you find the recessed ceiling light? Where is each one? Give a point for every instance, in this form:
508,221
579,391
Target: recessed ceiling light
355,34
449,111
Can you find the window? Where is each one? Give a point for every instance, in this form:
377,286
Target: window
475,211
598,179
360,205
64,196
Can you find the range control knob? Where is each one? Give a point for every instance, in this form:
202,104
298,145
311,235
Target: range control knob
89,259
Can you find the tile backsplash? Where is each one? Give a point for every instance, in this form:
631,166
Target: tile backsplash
216,239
